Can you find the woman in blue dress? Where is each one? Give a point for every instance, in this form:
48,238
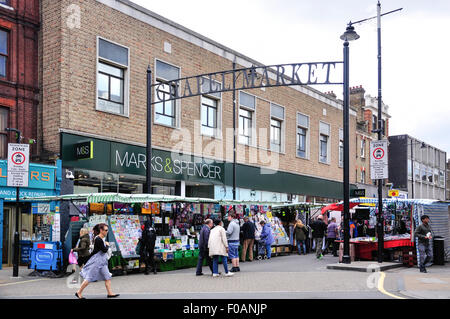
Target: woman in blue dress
96,267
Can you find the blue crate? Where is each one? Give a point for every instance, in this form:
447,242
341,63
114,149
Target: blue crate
46,256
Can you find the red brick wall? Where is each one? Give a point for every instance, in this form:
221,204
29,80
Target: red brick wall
19,90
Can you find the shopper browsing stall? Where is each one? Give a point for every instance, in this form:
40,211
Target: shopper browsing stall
148,247
218,247
248,236
300,233
96,267
203,247
267,237
332,234
233,232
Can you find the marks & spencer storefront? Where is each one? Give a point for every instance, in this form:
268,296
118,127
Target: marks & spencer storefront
100,165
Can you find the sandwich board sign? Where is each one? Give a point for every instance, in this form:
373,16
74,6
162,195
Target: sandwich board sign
18,165
379,159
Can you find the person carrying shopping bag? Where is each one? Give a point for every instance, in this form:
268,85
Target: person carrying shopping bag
82,248
96,267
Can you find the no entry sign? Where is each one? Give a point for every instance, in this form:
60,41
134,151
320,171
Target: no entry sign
379,159
18,165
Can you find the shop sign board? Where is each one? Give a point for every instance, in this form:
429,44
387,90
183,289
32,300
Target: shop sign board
379,159
394,193
18,164
84,150
357,192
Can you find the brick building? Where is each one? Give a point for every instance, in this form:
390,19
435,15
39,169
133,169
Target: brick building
367,118
19,98
94,59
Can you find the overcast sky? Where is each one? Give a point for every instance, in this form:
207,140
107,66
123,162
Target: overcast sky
415,47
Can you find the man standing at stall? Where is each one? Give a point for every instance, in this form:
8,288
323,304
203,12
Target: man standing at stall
148,247
319,228
423,234
248,235
233,232
203,247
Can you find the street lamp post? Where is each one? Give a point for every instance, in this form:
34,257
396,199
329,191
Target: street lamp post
148,171
16,233
349,35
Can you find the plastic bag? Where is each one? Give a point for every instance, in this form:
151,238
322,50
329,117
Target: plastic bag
72,259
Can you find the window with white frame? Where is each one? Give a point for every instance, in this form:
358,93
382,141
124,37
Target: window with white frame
324,136
210,108
302,135
247,107
363,148
341,147
276,127
112,77
165,111
363,177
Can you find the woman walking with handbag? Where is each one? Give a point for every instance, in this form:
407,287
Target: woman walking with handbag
96,267
82,248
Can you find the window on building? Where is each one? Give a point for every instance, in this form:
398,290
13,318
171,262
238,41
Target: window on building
416,171
245,126
210,108
374,122
384,127
324,135
423,173
409,169
430,175
276,127
112,77
363,177
165,111
441,178
209,116
275,135
362,150
247,107
3,133
436,176
341,147
3,53
302,135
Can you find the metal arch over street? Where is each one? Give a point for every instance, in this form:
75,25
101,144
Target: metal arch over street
312,73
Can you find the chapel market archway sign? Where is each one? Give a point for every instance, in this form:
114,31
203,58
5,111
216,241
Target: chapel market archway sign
292,74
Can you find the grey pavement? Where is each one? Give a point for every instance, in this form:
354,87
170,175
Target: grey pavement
282,277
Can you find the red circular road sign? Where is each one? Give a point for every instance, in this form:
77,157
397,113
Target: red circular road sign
18,158
378,153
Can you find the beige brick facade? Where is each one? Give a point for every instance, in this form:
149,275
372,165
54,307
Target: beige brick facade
68,64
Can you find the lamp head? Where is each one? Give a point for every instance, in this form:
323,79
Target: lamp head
350,34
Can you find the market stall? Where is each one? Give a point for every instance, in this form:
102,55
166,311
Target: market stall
401,217
177,220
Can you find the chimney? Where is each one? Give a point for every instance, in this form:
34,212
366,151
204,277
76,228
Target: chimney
357,96
331,94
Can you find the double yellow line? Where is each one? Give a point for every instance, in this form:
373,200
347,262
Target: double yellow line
381,288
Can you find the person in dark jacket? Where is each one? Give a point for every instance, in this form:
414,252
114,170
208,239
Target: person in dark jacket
248,236
423,234
203,248
147,252
319,228
300,235
83,247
